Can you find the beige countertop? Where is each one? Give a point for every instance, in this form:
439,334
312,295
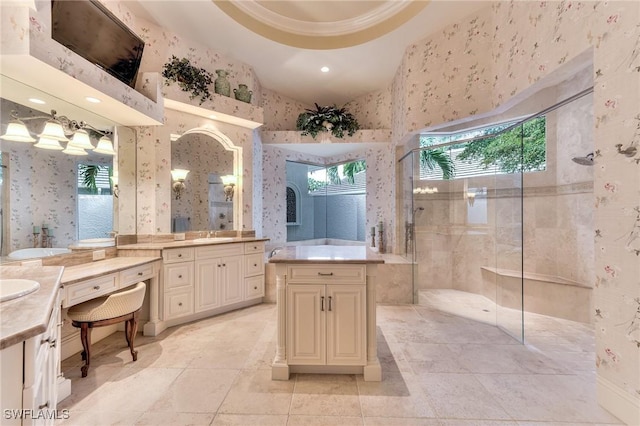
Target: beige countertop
98,268
326,254
27,316
160,245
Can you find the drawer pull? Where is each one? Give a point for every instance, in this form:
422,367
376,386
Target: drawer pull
322,303
224,264
45,405
329,302
255,265
140,274
255,248
179,276
96,287
180,304
179,254
322,274
255,288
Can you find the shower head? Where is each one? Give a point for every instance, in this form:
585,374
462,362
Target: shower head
587,160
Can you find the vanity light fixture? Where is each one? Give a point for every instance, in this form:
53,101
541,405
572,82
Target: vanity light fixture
179,176
229,182
58,129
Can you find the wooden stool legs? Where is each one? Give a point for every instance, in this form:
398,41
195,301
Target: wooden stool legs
130,331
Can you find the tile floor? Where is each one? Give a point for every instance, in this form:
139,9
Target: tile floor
438,369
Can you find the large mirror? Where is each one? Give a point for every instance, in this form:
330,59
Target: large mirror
73,196
202,204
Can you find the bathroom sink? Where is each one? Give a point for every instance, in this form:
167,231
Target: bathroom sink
212,240
30,253
12,288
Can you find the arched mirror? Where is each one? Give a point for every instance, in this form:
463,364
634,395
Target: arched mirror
204,199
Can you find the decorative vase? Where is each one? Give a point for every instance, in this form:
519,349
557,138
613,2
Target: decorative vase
222,85
243,93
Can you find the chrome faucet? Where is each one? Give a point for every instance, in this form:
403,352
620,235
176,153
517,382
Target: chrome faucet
274,251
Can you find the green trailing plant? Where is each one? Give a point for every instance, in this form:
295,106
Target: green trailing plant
189,77
348,169
89,173
432,158
332,119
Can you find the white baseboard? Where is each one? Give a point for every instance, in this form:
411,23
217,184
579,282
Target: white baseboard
618,402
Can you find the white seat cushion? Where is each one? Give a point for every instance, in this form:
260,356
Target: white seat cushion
111,306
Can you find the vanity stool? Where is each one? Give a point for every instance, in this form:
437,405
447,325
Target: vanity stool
106,310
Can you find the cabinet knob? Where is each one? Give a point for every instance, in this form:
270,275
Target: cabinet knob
255,248
180,304
179,254
179,276
255,264
96,287
255,287
140,273
224,264
219,265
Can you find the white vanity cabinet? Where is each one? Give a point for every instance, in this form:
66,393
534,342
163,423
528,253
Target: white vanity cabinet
204,280
29,376
326,319
177,279
326,311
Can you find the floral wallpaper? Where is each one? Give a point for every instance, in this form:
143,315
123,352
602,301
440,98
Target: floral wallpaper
280,112
373,111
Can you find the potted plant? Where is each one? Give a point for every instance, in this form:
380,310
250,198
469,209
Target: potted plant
332,119
189,77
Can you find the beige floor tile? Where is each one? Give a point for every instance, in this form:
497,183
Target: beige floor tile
327,384
84,387
100,418
249,419
174,419
196,391
461,396
400,421
432,358
456,422
300,420
221,355
565,398
129,390
322,404
414,405
253,392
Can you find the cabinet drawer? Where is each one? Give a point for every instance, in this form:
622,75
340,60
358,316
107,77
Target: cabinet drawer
177,275
254,264
136,274
177,255
218,250
255,247
344,274
254,287
86,290
178,303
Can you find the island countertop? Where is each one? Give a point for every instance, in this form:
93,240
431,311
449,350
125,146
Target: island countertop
326,254
28,316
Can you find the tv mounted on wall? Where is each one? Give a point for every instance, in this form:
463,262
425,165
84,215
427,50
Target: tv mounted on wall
91,31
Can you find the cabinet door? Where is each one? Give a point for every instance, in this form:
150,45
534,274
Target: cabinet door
306,324
232,279
207,284
346,325
177,275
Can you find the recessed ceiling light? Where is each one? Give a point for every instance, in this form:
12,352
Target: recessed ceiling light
213,116
324,69
93,100
37,101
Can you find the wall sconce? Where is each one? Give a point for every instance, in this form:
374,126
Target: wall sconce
114,184
179,176
56,130
471,197
229,182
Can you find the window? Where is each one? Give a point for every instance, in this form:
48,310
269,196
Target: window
522,148
95,201
292,206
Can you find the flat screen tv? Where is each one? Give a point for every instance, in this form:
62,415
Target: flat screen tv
91,31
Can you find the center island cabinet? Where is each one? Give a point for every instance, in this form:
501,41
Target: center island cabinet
326,304
203,277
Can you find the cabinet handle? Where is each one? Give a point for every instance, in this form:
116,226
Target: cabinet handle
329,302
45,405
96,287
322,274
322,303
140,273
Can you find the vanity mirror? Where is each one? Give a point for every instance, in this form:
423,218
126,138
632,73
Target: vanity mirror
204,202
72,196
